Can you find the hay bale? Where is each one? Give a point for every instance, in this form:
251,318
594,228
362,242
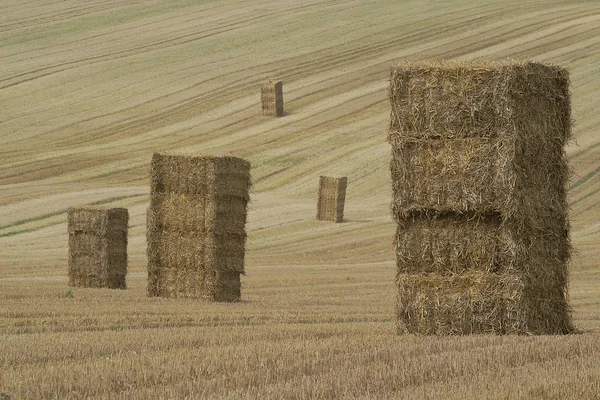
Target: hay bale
461,304
196,226
331,198
97,247
476,302
271,95
453,244
479,177
479,137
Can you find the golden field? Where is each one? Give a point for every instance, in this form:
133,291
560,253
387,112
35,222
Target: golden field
89,90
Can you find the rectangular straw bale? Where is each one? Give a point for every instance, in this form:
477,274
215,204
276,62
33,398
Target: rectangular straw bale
431,304
457,99
196,226
481,136
448,175
479,177
454,244
97,247
271,94
331,198
178,212
200,175
477,302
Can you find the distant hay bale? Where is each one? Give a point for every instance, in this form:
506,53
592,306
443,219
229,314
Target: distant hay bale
479,179
271,94
331,198
97,247
196,226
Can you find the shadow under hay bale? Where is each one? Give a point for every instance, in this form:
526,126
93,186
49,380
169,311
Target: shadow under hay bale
97,247
271,95
196,226
479,179
331,198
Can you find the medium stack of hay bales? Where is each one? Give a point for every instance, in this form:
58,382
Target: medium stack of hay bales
271,95
97,247
196,226
479,179
332,195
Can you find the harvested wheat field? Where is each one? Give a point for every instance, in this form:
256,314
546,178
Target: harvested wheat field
89,90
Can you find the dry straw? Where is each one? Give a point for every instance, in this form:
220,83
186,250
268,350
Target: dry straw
479,179
331,198
97,247
271,94
196,226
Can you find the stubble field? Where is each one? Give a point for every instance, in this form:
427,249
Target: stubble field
88,90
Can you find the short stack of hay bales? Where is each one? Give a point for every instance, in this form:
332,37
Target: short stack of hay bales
479,179
97,247
196,226
331,198
271,95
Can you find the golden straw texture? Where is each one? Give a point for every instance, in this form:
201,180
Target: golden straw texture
479,177
97,247
196,226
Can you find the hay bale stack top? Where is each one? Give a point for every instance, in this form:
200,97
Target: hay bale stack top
479,179
271,94
331,198
196,226
486,136
97,247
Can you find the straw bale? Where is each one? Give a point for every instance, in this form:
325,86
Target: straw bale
479,178
447,175
200,175
449,100
431,304
484,136
331,198
196,283
97,247
196,226
476,302
271,94
453,244
196,213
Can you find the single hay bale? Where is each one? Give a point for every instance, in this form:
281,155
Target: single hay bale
461,304
456,99
479,178
475,302
271,95
454,244
447,175
331,199
196,226
97,247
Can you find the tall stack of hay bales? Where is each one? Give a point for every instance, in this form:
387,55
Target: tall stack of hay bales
479,177
97,247
331,198
196,226
271,95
